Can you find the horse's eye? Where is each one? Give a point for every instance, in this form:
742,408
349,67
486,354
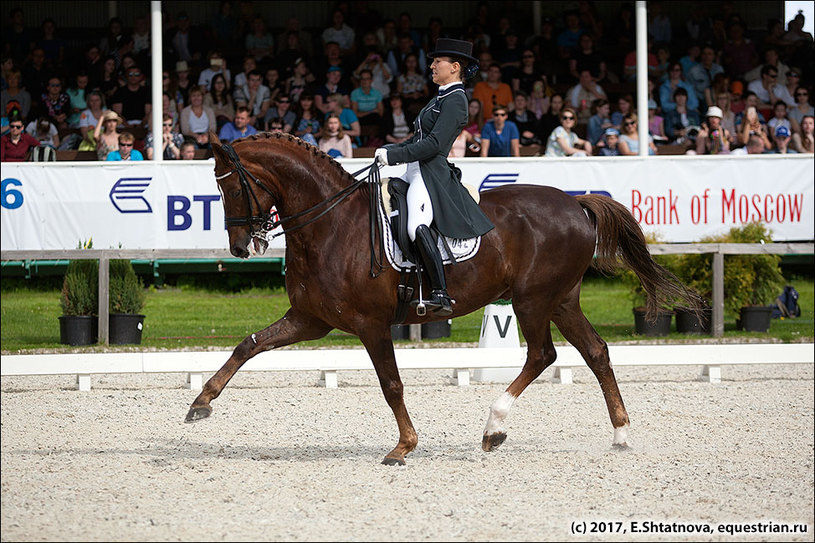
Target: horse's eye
235,193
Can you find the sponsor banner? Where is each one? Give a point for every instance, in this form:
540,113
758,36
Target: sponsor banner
178,205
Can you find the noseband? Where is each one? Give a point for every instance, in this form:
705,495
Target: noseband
261,224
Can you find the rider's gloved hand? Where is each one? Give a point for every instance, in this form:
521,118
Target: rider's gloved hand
381,156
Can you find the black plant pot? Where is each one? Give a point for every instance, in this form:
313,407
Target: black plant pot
125,328
78,329
688,323
661,327
755,318
400,331
435,330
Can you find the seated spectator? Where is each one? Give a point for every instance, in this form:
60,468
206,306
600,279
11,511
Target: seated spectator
187,151
656,124
728,118
755,146
239,127
793,80
197,119
259,42
15,98
220,101
169,107
275,125
277,87
630,139
333,139
739,53
106,135
412,85
767,90
89,118
217,65
332,85
183,84
669,88
133,101
702,75
693,57
44,131
581,96
529,73
340,33
300,80
366,101
307,125
625,105
681,118
713,138
721,85
526,121
778,119
56,104
348,119
292,48
256,96
405,46
563,141
550,120
281,110
500,137
599,121
750,100
187,43
610,147
752,126
171,141
770,58
802,109
249,64
78,95
782,141
475,121
586,57
630,63
804,142
737,103
15,146
374,62
126,151
493,91
540,99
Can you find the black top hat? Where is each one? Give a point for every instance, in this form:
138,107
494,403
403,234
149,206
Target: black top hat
446,47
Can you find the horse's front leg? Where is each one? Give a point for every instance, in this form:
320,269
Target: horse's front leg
380,349
291,328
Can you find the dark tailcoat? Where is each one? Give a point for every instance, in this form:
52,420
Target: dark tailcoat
455,213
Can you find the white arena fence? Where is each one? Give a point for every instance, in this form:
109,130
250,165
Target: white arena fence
462,361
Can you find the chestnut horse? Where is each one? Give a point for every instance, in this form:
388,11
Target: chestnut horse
543,242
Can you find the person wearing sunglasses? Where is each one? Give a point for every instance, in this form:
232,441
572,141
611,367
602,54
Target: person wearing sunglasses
630,139
126,151
563,141
436,196
133,101
500,136
767,88
801,109
171,141
15,146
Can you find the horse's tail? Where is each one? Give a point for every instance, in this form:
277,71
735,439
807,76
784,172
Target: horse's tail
619,236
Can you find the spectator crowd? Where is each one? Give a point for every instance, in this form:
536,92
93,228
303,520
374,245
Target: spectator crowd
714,86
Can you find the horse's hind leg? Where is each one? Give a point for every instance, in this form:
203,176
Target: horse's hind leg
540,355
380,349
577,330
292,328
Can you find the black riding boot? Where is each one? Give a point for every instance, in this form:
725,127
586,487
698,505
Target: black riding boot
440,302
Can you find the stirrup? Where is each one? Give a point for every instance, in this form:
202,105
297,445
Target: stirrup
440,303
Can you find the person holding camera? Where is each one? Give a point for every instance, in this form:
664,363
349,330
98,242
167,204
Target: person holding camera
373,61
713,138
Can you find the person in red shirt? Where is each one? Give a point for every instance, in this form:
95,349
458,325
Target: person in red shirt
15,145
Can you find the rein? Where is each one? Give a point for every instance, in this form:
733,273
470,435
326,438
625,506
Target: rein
266,224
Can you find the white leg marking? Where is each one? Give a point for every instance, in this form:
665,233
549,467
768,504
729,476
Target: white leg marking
498,412
620,435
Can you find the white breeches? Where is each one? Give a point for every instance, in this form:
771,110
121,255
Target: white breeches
420,208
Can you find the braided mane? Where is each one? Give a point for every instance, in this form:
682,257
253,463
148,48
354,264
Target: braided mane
294,141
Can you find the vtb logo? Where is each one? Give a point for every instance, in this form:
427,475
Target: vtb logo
126,195
496,180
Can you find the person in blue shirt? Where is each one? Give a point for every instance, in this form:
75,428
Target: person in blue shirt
126,151
669,87
239,127
500,137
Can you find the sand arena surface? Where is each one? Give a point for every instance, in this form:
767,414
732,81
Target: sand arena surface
283,459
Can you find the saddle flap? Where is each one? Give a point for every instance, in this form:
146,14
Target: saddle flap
396,208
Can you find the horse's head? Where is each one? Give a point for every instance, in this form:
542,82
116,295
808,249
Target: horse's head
247,202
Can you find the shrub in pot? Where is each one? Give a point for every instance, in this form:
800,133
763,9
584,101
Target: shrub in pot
126,303
79,300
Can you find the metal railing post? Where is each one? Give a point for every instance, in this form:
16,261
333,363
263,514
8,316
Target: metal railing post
104,298
718,294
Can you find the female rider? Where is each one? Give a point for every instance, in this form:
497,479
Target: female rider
436,195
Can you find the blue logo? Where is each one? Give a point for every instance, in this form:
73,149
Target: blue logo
126,195
496,180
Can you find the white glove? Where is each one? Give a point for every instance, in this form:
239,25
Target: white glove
381,156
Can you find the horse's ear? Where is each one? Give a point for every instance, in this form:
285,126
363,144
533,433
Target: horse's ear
215,143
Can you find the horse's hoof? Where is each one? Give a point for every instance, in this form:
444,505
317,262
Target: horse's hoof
621,447
490,442
198,413
390,461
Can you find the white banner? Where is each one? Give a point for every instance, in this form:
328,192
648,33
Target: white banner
176,205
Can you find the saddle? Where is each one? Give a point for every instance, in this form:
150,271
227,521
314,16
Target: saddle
396,207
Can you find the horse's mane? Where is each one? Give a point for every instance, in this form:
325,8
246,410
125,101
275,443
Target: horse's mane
289,140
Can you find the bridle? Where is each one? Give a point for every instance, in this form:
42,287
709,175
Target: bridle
261,223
